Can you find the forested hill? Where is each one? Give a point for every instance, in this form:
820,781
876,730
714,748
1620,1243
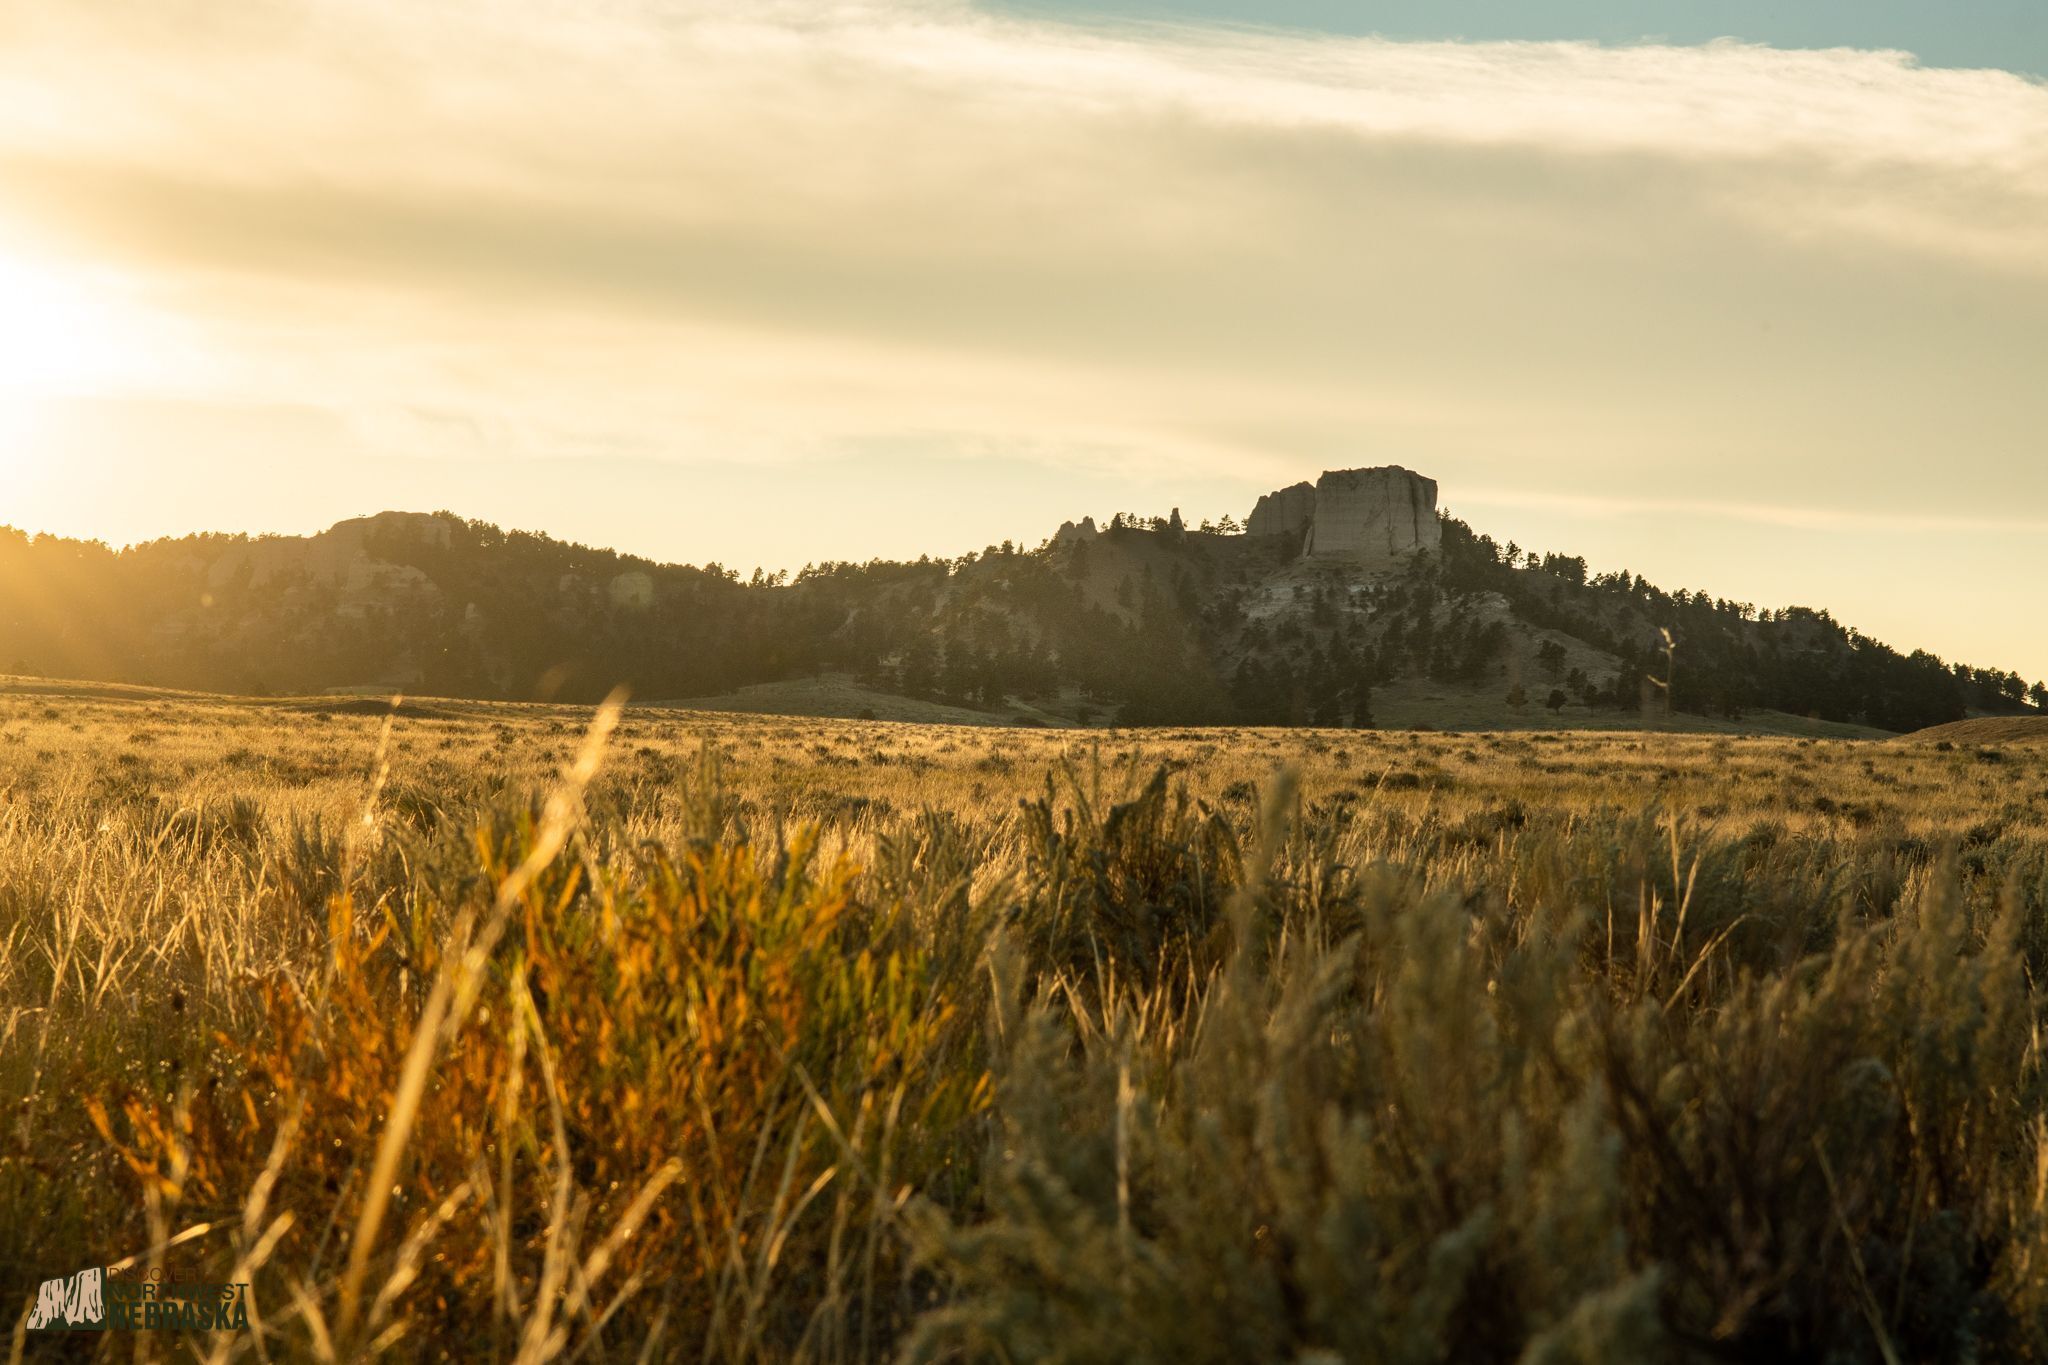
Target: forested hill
1147,622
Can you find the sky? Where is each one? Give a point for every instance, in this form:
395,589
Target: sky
1741,296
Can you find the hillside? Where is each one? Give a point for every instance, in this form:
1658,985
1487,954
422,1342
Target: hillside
1368,607
1987,730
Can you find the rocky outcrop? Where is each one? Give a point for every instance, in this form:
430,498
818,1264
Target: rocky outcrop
1284,513
338,555
1070,534
1375,516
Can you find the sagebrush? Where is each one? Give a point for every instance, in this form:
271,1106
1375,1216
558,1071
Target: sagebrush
466,1037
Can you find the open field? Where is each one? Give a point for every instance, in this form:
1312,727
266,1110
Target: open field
495,1031
1408,704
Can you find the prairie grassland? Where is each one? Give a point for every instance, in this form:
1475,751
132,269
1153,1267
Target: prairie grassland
498,1032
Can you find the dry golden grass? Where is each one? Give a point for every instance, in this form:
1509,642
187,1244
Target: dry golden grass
477,1031
314,758
1986,730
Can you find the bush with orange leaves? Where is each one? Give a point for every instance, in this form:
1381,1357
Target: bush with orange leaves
677,1092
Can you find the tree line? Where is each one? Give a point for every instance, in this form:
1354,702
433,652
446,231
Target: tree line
1148,623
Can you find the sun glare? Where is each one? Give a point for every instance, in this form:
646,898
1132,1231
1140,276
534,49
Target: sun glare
56,337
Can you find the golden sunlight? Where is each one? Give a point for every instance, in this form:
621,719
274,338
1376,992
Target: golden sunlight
59,338
56,335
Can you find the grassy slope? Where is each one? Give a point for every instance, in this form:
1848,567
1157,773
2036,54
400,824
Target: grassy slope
1414,703
1987,730
1409,704
836,695
1404,705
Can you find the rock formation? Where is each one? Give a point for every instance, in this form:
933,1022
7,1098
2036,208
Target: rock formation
1380,515
1374,516
1285,513
339,554
1070,534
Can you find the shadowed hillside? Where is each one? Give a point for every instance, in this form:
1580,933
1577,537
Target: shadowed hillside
1143,622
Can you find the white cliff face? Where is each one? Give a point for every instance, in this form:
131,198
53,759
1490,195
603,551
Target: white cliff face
1285,513
1378,516
336,555
1374,516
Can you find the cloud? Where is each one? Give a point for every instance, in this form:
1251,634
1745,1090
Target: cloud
782,232
1805,518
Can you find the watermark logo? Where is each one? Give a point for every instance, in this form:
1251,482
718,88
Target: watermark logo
76,1304
115,1299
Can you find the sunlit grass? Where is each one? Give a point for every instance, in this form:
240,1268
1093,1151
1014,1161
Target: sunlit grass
491,1033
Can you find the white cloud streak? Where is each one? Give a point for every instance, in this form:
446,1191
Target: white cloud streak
1804,518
